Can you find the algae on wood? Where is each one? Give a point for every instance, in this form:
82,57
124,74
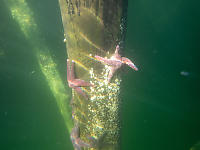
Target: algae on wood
95,27
23,15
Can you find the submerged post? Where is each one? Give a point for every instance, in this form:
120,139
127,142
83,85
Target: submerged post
94,28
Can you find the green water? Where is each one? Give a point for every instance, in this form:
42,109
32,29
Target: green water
160,106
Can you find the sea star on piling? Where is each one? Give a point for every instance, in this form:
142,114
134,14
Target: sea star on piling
115,62
74,83
75,138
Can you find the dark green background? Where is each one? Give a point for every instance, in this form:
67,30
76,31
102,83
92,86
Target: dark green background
161,107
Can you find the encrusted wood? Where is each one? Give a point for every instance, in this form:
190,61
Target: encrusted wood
95,27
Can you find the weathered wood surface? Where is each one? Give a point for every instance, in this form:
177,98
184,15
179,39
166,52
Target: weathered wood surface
95,27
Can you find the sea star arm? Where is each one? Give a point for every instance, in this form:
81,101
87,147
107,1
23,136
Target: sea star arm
82,144
103,60
78,82
75,138
111,73
75,83
129,63
110,62
80,91
70,71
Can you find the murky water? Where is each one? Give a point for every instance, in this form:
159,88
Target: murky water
160,101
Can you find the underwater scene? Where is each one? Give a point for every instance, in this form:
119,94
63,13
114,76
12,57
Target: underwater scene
99,75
